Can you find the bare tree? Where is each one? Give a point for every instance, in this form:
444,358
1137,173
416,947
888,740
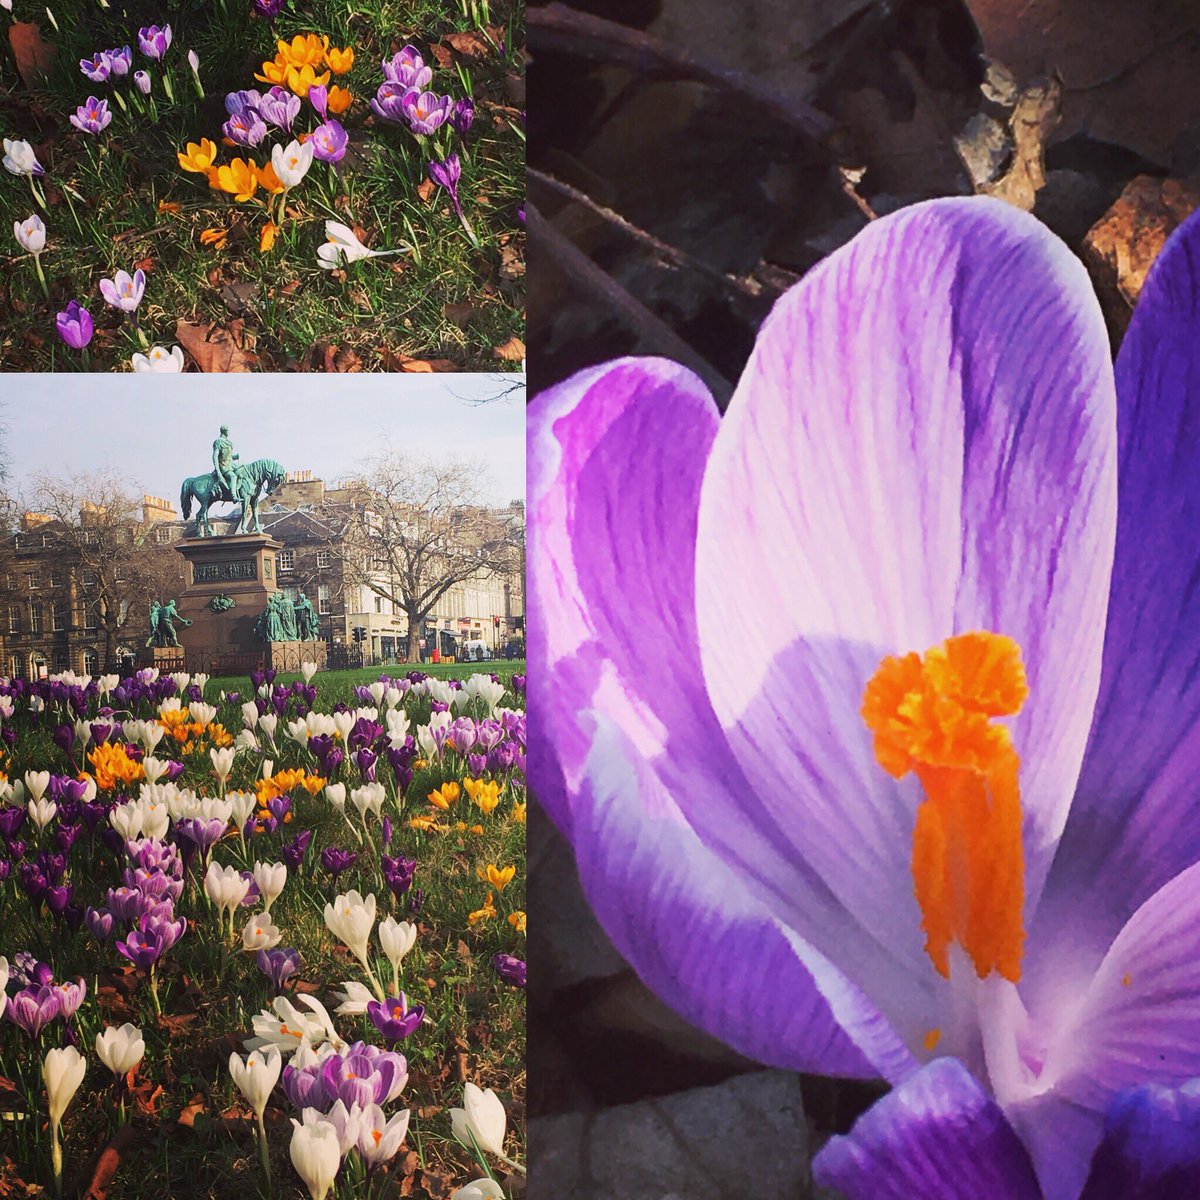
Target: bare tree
415,529
95,522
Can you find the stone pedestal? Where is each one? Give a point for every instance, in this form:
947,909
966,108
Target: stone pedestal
286,657
240,568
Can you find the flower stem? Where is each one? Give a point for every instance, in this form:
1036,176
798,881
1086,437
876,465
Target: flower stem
262,1149
56,1158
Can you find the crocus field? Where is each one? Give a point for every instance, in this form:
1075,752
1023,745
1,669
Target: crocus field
231,185
262,942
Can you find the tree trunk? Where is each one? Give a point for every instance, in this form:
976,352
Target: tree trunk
415,621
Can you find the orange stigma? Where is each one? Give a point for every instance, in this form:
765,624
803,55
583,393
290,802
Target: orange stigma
933,715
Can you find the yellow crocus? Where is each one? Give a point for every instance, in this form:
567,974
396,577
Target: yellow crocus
517,920
300,79
518,813
267,237
339,61
338,100
268,180
199,156
214,237
486,913
240,178
444,796
498,877
303,50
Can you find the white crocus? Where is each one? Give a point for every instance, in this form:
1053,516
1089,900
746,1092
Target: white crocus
397,938
180,679
41,812
62,1073
120,1048
369,798
256,1079
316,1155
350,918
249,714
288,1029
204,713
485,688
155,768
291,162
354,998
481,1120
31,234
268,723
37,782
242,804
480,1189
158,361
19,158
378,1138
261,933
345,1121
245,740
341,247
308,670
270,878
226,888
222,761
335,793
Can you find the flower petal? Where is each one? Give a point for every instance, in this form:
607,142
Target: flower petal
612,542
1134,816
937,1136
923,443
1151,1147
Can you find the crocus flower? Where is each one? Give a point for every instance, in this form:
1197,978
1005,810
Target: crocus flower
279,108
481,1120
407,69
267,8
97,69
329,141
291,162
142,80
278,964
159,360
153,41
74,325
245,127
198,156
925,490
480,1189
394,1019
344,247
124,291
120,59
339,61
62,1073
91,117
378,1137
511,970
315,1151
120,1049
33,1008
388,102
261,933
464,115
19,158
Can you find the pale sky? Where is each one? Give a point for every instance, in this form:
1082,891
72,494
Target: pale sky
155,431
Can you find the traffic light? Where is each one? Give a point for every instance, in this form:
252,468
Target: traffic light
360,633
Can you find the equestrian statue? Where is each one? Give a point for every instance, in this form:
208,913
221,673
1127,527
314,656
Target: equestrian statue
230,483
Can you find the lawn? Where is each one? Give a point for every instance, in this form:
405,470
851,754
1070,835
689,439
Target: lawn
120,200
188,1131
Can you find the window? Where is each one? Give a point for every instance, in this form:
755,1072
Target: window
14,620
162,535
380,604
91,618
62,659
91,661
10,581
60,616
292,593
56,579
47,541
323,602
32,581
287,560
87,578
324,558
16,666
35,617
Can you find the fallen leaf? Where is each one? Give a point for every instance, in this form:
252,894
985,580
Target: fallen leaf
238,297
443,55
468,43
144,264
1033,120
511,351
213,348
459,313
110,1159
34,57
512,264
425,190
191,1110
396,360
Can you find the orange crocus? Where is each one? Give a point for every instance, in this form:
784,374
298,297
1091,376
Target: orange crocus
498,877
274,71
267,237
339,61
268,180
338,100
214,237
300,79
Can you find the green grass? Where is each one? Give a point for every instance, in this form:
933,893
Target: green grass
105,194
210,989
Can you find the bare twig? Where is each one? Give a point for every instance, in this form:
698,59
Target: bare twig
561,28
656,333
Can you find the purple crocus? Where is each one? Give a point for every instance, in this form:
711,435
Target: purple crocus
97,68
267,8
279,107
394,1019
142,80
336,860
919,480
92,116
510,969
318,97
124,291
34,1007
245,127
407,69
446,175
120,60
426,112
153,41
278,965
464,115
293,852
74,325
